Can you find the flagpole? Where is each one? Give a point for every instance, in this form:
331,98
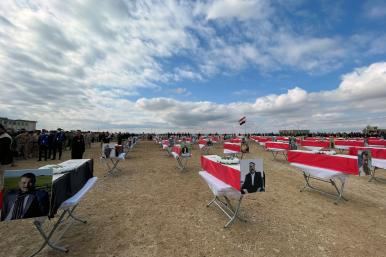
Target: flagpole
245,129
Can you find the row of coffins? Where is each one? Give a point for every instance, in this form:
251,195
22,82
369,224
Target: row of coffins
113,153
178,148
227,179
374,155
321,162
338,143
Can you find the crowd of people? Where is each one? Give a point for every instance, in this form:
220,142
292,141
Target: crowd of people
44,145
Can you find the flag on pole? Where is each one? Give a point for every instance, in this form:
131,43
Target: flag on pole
242,120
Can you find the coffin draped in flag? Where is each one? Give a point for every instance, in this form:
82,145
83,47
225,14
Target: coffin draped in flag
242,120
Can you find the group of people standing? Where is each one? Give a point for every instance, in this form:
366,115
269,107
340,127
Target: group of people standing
42,144
51,144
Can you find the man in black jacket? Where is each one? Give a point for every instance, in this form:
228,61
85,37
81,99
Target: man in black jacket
6,157
254,181
26,201
77,146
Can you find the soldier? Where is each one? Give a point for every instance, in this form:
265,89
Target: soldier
35,143
30,144
21,144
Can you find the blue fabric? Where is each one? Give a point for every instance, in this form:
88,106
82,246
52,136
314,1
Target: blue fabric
43,139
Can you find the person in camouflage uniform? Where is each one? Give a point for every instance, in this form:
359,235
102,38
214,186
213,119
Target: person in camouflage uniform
35,144
21,144
29,146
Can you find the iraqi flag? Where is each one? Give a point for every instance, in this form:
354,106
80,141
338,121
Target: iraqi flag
242,120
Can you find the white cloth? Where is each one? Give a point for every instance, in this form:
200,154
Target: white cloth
276,150
73,200
61,168
342,147
379,163
218,187
217,158
313,148
324,152
175,155
321,172
227,151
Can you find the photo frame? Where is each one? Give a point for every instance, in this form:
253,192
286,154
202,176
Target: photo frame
252,176
365,167
108,150
292,143
26,193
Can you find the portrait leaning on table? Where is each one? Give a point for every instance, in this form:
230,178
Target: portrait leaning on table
252,176
364,163
23,199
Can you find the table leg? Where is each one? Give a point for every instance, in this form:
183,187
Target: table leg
337,196
227,208
47,238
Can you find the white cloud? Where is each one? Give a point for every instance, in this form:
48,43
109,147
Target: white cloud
77,63
182,91
294,98
309,54
366,83
242,10
375,9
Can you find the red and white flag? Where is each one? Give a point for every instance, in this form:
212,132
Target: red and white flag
242,120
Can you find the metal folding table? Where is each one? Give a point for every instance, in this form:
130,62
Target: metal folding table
223,193
324,175
276,151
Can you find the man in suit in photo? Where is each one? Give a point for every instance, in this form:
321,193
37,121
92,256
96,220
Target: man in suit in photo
26,201
254,181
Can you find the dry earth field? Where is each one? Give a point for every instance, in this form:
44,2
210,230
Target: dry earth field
154,209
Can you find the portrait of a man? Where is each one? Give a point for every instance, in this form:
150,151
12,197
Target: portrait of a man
185,151
26,200
252,176
364,163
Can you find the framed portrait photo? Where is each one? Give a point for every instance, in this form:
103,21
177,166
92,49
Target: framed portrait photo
26,194
252,176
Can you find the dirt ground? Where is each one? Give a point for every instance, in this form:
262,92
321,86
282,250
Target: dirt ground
153,209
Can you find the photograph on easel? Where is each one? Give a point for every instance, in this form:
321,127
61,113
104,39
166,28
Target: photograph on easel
108,150
185,150
292,143
26,194
252,176
364,163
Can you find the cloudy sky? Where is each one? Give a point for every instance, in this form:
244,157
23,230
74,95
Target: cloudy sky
194,65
